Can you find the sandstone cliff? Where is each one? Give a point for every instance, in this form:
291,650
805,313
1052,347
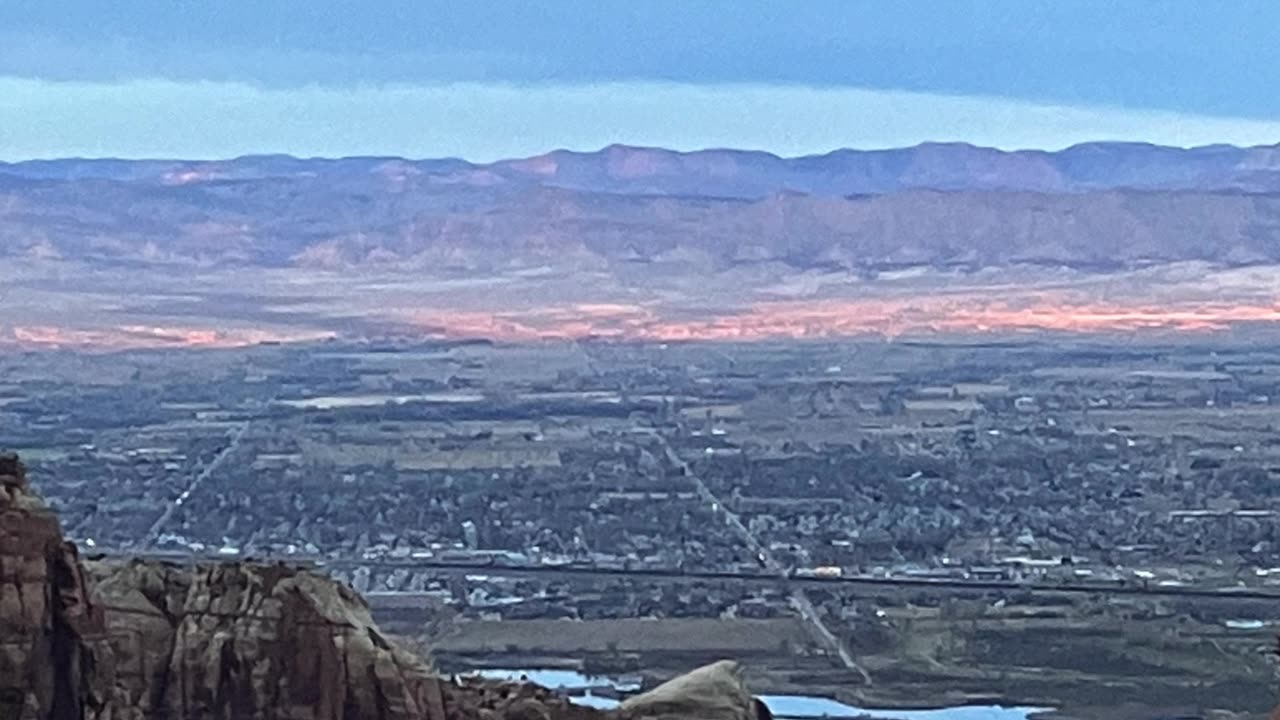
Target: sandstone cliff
143,640
52,662
242,640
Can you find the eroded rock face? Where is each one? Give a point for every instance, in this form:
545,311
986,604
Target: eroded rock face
229,641
54,664
248,640
145,640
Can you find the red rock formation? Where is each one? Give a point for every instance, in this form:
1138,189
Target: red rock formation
246,640
53,663
239,641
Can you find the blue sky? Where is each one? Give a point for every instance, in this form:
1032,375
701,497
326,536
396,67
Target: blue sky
484,79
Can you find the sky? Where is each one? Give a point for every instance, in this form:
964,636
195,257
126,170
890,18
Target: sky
483,79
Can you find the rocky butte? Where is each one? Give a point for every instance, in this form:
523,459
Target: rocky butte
143,640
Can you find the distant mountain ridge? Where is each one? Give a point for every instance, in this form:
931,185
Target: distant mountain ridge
1097,206
747,174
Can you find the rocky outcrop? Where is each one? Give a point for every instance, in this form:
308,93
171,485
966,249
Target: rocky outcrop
248,640
241,640
53,662
226,641
713,692
146,640
470,698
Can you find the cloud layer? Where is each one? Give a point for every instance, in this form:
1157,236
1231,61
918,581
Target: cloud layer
1208,58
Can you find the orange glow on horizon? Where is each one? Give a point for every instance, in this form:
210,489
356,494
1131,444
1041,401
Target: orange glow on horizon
886,317
129,337
828,318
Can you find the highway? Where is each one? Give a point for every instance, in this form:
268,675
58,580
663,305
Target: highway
158,526
866,584
799,600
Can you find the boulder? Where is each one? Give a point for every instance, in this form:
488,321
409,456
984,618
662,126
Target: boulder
712,692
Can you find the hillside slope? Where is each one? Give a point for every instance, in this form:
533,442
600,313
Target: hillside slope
414,222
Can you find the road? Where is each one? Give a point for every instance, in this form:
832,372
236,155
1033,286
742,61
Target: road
865,584
154,533
799,600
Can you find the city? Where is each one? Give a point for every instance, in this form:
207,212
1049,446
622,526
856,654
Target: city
831,505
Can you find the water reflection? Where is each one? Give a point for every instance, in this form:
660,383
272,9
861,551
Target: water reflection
805,706
566,680
790,707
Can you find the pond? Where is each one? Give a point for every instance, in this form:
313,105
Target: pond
798,707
